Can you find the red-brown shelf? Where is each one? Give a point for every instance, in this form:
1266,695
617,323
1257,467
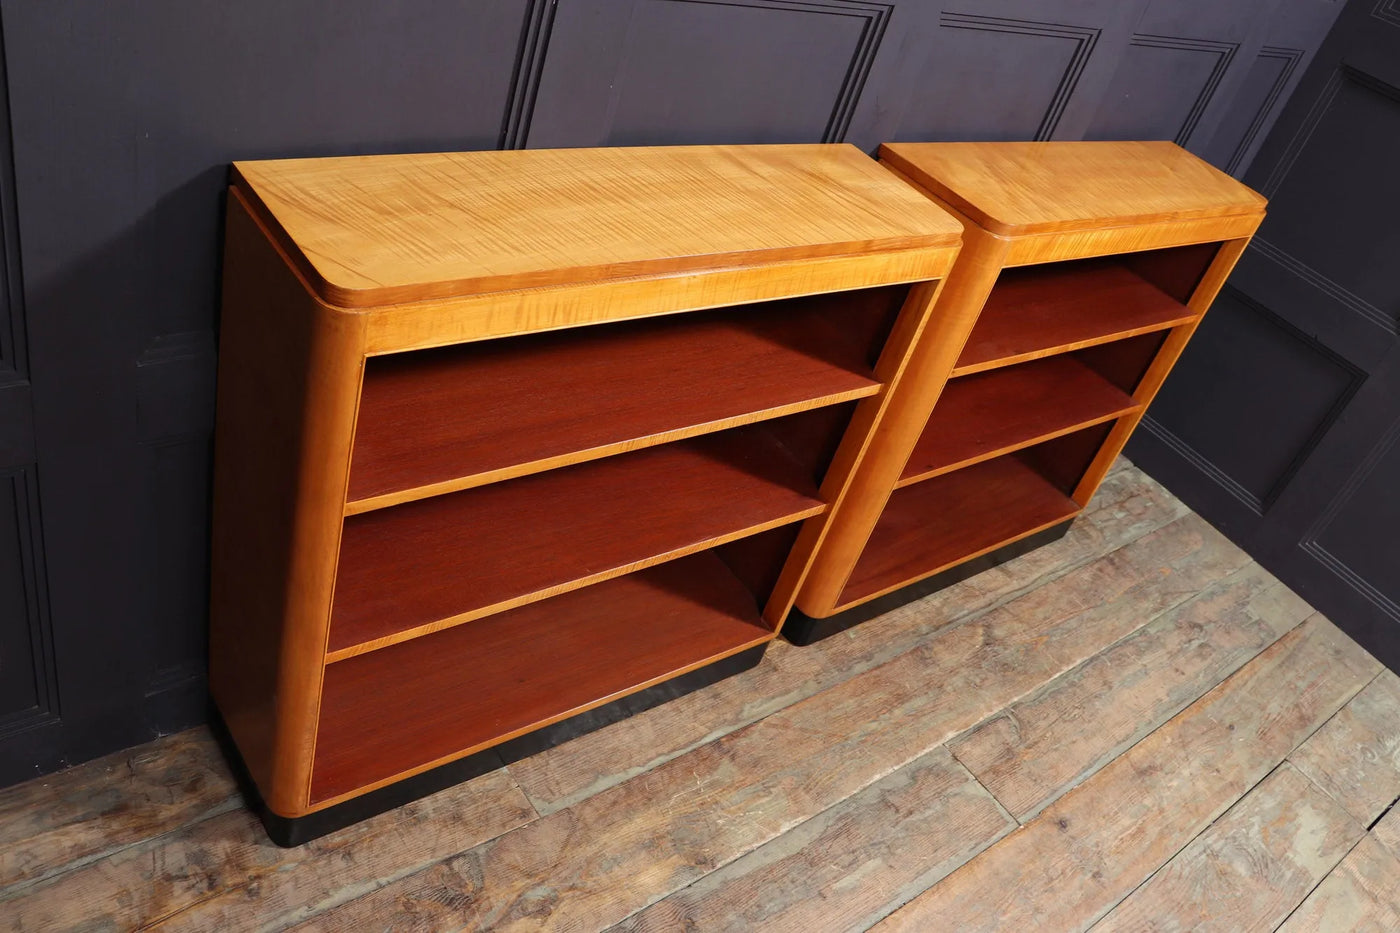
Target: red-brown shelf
932,525
1036,311
419,703
427,565
988,414
439,420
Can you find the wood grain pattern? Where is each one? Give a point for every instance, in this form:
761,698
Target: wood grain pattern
857,860
1128,507
1056,247
943,521
103,806
423,324
1250,869
1020,188
1161,208
899,427
898,368
998,633
985,415
289,377
1045,744
374,230
1356,756
1105,837
405,708
1358,896
615,852
222,873
429,565
1042,310
441,420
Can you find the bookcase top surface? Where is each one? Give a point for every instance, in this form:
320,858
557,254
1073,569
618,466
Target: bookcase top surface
1020,188
375,230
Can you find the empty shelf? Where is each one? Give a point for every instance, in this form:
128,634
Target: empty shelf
417,704
428,565
436,421
1036,311
988,414
932,525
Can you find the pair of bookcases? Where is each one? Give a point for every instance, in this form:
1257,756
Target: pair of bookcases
511,444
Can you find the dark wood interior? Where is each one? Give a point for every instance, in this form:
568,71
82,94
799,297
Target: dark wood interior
457,415
991,413
1035,311
939,522
1064,460
810,438
499,676
435,559
757,560
1123,362
1177,270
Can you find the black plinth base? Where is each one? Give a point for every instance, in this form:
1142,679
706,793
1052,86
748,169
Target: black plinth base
293,831
802,629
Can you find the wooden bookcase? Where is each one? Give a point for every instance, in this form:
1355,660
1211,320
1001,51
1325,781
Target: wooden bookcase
1086,267
510,443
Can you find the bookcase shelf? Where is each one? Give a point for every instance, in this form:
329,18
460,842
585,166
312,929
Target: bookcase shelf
551,660
428,565
931,525
1085,269
988,414
505,438
439,420
1037,311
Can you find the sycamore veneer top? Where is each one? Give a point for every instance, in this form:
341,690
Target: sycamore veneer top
1015,189
372,230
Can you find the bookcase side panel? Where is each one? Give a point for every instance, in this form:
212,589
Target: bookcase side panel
289,380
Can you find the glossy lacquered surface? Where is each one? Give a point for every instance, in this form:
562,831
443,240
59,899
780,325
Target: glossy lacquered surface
1019,188
490,399
370,230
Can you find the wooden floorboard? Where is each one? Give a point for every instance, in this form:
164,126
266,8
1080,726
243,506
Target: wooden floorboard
1096,844
1188,746
600,860
1045,744
55,824
1127,506
1359,895
1355,757
220,873
1250,869
858,860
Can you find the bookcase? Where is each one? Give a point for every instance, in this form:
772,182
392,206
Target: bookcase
1086,267
510,444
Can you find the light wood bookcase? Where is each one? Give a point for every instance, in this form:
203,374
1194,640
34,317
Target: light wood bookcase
1085,269
510,443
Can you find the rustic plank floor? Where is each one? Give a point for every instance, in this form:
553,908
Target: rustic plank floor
1135,728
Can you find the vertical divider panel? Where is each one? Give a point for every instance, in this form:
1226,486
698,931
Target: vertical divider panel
904,413
856,442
